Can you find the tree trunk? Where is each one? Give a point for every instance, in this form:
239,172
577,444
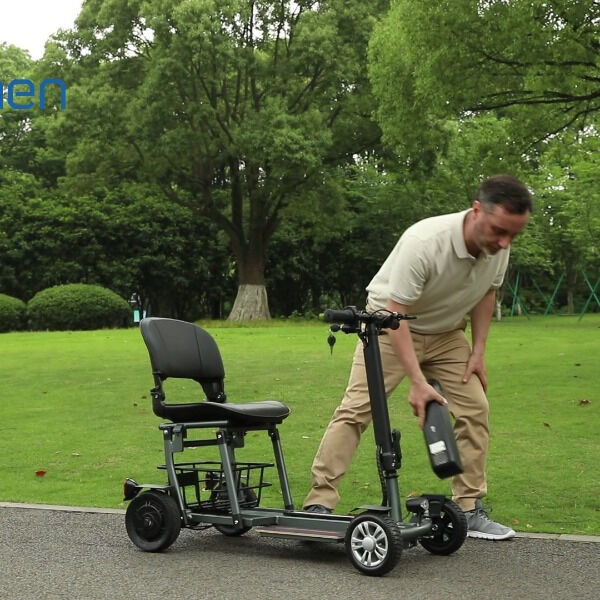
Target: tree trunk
250,304
571,282
570,302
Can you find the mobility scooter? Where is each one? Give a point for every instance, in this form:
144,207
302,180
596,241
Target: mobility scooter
226,494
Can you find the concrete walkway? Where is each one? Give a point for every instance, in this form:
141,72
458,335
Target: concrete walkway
85,554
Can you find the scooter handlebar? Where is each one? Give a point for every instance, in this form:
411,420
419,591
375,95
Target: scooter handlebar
345,315
352,317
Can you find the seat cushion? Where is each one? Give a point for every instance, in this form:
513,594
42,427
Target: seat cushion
250,413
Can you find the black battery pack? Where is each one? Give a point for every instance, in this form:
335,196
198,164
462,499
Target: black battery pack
439,439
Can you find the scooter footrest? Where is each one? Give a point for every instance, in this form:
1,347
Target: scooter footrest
281,531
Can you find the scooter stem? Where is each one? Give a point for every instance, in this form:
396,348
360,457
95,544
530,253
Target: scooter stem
390,461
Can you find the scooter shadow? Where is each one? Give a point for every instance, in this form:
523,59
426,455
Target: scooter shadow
256,547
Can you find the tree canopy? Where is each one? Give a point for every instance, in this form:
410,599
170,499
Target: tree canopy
535,62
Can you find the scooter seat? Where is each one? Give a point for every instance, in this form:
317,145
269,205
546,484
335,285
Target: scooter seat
251,413
185,351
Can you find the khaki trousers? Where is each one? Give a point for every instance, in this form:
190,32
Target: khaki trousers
441,356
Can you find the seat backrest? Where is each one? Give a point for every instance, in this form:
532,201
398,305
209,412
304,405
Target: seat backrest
184,350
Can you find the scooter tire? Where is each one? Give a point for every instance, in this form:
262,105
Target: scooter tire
450,531
153,521
373,544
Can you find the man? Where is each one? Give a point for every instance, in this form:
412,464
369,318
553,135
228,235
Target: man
441,269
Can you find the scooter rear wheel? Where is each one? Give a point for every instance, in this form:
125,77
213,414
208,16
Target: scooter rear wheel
450,530
373,544
153,521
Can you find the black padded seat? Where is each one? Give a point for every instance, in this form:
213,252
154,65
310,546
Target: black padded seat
182,350
252,413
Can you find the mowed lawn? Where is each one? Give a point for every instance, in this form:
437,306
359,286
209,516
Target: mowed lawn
76,416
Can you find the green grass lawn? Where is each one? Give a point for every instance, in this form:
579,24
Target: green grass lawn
76,406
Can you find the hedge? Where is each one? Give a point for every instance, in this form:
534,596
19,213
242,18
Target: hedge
77,306
12,313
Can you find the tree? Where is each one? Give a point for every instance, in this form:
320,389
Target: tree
237,108
467,88
127,240
14,64
23,140
330,264
569,203
533,61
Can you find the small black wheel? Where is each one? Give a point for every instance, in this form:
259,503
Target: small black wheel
246,497
153,521
449,530
373,544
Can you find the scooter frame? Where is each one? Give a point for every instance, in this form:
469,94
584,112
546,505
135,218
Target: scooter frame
374,539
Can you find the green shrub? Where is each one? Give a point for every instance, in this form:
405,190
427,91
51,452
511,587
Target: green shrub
77,306
12,313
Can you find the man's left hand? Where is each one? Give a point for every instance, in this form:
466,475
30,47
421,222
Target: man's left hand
476,365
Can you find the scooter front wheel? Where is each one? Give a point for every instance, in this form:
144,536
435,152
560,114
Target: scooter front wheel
153,521
373,544
449,530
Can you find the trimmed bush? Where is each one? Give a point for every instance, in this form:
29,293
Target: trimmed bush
12,313
77,306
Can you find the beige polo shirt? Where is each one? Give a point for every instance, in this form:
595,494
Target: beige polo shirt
431,270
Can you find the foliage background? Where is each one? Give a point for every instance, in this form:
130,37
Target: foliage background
210,144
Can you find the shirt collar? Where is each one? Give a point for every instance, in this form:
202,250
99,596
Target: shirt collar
458,239
458,236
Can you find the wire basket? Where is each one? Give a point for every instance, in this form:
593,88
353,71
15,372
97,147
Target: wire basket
204,488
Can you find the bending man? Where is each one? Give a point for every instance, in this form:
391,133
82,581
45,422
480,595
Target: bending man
442,269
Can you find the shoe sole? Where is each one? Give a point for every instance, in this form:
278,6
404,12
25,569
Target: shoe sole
491,536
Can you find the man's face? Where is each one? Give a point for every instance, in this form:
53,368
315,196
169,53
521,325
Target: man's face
495,229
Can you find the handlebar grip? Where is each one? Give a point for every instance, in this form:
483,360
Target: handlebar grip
390,321
345,315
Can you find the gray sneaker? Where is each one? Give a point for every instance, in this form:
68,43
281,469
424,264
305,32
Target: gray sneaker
482,527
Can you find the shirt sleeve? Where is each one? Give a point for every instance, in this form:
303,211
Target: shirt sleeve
410,271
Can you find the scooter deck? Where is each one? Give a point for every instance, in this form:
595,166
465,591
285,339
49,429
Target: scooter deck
287,532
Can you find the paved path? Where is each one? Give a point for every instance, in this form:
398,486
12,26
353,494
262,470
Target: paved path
50,554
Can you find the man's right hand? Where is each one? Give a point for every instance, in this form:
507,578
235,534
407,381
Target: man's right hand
420,394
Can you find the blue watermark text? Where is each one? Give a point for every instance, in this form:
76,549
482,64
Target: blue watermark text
21,94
